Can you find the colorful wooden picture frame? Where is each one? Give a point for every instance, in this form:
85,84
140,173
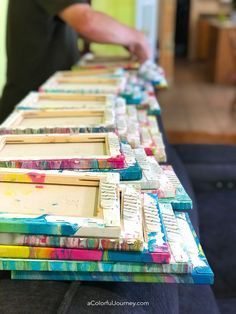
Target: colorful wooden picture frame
132,170
151,105
207,278
150,171
133,211
59,122
179,262
195,271
181,200
166,188
92,266
42,253
130,238
91,202
142,97
151,138
140,170
155,249
91,61
62,101
123,262
47,223
153,73
149,71
171,191
65,76
95,85
104,73
138,93
81,151
134,95
140,129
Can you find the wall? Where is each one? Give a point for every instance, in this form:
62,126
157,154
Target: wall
3,14
201,7
141,14
123,11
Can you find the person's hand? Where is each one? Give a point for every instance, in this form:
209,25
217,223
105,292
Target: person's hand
139,47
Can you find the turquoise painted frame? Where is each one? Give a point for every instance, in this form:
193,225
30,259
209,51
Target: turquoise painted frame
114,277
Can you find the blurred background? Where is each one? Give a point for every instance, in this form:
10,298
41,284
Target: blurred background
195,42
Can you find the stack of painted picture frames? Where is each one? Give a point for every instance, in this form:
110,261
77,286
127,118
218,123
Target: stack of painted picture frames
83,196
149,71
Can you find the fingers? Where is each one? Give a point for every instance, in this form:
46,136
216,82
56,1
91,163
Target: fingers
140,47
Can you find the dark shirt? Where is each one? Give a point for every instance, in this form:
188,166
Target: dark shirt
39,43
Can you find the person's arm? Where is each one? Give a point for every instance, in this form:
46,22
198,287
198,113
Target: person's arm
101,28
